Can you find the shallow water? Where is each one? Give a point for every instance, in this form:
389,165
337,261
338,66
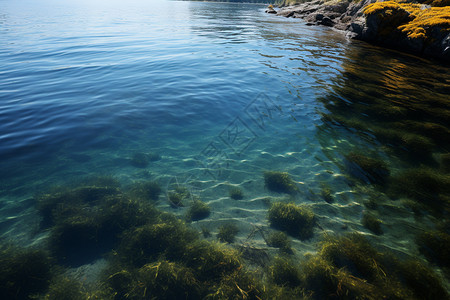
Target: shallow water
222,92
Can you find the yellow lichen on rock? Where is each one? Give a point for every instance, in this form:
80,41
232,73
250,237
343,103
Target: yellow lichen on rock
427,19
379,6
422,18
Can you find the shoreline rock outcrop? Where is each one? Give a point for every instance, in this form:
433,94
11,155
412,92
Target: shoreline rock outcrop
414,28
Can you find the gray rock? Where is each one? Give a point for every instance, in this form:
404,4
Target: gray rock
326,22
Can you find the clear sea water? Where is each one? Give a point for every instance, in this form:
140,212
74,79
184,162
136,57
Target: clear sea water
221,92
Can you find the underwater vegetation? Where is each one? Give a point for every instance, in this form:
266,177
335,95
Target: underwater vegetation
445,162
427,186
177,196
236,193
165,280
227,233
24,272
280,182
326,194
87,221
155,255
204,271
165,238
435,246
372,223
279,239
348,267
146,190
285,272
366,169
65,201
198,210
139,160
65,288
296,220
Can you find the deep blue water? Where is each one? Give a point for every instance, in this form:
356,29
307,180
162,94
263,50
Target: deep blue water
222,92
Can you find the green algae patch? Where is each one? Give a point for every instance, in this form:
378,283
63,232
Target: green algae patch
211,260
280,182
86,222
64,202
424,185
198,210
236,193
145,190
285,272
24,272
350,267
177,196
435,245
367,169
167,239
65,288
326,194
372,223
166,280
227,233
296,220
279,239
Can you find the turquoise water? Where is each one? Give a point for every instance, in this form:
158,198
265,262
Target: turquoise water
211,95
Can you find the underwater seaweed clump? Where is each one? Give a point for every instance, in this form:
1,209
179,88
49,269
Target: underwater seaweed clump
279,239
296,220
84,233
177,196
198,210
355,253
321,280
227,233
165,280
205,272
284,272
139,160
211,261
238,285
146,190
421,280
65,288
435,245
149,242
77,241
65,202
424,185
372,223
236,193
445,162
349,267
280,182
366,169
326,194
24,272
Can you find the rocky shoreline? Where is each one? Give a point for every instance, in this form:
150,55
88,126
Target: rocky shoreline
380,27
